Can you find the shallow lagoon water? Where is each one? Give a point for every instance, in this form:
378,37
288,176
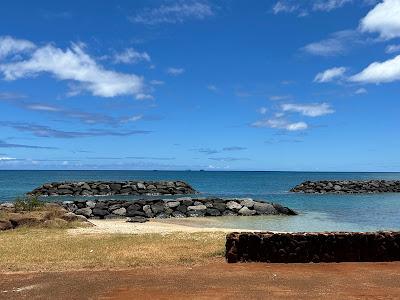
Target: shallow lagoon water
317,212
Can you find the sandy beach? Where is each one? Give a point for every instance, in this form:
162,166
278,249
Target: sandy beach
162,226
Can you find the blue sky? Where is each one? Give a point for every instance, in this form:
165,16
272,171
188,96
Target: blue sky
214,85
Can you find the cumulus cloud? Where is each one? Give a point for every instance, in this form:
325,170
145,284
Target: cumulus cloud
383,19
309,110
330,75
131,56
175,71
173,13
361,91
73,64
281,124
379,72
262,110
11,46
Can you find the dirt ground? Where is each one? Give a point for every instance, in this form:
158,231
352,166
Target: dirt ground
215,280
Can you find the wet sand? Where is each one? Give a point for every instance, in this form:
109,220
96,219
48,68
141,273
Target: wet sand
216,280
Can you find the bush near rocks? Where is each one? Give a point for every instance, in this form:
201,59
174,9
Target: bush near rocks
348,187
98,188
174,208
312,247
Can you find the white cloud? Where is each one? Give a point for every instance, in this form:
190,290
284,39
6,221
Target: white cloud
309,110
263,110
10,46
142,96
328,5
131,56
392,49
337,44
281,124
361,91
285,7
177,12
75,65
330,75
379,72
43,107
279,97
156,82
175,71
6,158
384,19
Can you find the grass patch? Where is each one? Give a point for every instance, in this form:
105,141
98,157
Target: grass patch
28,249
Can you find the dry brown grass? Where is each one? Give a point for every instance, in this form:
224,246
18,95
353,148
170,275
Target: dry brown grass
28,249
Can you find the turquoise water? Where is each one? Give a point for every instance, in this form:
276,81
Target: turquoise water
317,212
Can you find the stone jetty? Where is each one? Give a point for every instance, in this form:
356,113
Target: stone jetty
105,188
141,210
312,247
348,187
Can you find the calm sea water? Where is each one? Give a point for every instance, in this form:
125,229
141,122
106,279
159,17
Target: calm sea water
317,212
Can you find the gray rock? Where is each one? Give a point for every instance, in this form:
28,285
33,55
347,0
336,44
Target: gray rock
70,217
120,211
182,208
90,204
141,186
196,213
233,205
114,207
84,212
100,212
249,203
134,213
157,208
220,206
213,212
162,215
172,204
197,207
178,214
265,208
245,211
137,220
229,213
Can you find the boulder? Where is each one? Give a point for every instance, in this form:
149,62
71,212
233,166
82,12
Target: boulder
178,214
213,212
5,225
119,211
90,204
70,217
7,205
197,207
172,204
99,212
233,205
157,208
245,211
196,213
87,212
249,203
137,219
265,208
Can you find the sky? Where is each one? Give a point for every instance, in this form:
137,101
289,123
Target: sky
215,85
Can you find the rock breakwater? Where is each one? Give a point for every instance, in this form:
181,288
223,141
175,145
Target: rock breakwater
173,208
313,247
105,188
348,187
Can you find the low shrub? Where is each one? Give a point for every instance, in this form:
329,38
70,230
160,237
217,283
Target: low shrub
29,203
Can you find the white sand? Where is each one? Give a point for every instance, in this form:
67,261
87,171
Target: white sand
153,226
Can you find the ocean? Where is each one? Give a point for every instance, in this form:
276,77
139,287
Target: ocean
316,212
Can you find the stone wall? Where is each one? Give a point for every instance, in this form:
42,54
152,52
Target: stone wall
97,188
178,208
312,247
348,187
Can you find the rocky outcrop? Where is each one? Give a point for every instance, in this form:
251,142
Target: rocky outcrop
313,247
103,188
348,187
173,208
